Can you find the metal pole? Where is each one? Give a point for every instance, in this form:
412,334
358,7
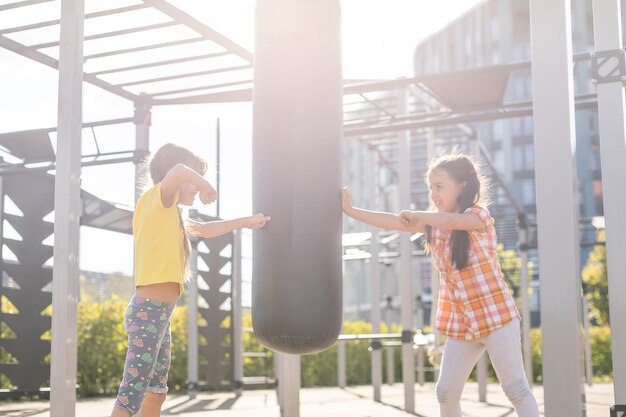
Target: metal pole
237,317
406,280
391,378
588,362
142,120
341,364
192,326
434,275
377,375
612,115
526,348
482,364
289,385
557,206
421,363
218,140
67,212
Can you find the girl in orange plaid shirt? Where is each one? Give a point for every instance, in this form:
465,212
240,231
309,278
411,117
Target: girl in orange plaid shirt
476,310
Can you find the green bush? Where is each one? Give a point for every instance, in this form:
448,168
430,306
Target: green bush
102,348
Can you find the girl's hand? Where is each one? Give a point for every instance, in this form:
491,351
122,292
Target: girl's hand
207,194
407,218
346,199
257,221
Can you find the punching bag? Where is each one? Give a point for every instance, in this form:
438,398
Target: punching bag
297,176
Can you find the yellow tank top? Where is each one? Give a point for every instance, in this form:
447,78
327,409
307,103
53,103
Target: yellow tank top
159,240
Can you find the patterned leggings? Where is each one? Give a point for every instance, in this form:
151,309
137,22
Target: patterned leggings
147,323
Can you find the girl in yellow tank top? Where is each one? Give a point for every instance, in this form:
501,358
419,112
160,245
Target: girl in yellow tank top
161,266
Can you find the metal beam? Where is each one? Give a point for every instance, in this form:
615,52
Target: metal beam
406,279
67,209
110,34
612,115
42,58
557,207
186,75
21,4
202,29
160,63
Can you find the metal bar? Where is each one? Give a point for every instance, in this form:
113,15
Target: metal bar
85,125
51,62
376,371
237,317
586,326
341,363
145,48
402,82
192,327
142,122
524,286
67,208
453,120
160,63
192,89
202,29
21,4
217,168
612,115
372,336
406,280
109,34
221,97
10,169
185,75
557,206
289,384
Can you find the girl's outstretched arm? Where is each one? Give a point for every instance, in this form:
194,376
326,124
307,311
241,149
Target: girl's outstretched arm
220,227
179,174
381,219
441,220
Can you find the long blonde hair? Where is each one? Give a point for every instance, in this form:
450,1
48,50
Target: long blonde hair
462,168
159,164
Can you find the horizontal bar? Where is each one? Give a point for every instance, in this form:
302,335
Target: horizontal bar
87,16
185,75
145,47
85,125
111,34
194,24
10,169
372,336
160,63
21,4
189,90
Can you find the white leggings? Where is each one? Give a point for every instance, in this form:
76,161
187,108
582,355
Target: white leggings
504,348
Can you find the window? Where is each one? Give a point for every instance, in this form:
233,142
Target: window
493,28
528,192
522,87
521,51
523,157
498,160
522,126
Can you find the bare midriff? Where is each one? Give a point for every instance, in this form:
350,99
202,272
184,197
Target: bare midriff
168,292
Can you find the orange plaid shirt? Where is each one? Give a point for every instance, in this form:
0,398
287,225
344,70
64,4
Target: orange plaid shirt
474,301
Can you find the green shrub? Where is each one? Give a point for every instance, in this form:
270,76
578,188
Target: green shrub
102,349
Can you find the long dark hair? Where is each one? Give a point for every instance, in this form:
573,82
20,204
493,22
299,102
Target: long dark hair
462,169
160,164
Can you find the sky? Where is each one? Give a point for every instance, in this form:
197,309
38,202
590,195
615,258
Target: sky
378,40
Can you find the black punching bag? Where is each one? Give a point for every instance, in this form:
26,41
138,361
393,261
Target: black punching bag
297,176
